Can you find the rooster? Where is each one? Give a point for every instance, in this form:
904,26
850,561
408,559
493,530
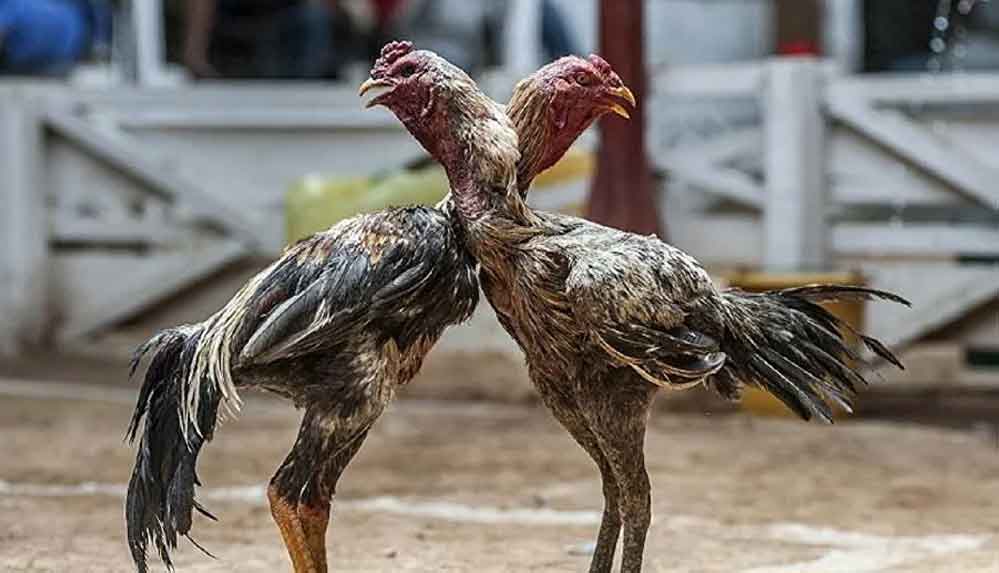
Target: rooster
336,326
607,318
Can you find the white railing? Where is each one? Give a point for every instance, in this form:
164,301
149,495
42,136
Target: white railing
826,172
178,183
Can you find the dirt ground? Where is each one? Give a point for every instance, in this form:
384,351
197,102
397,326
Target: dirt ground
446,486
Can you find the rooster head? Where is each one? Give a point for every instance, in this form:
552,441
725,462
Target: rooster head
553,106
443,108
410,82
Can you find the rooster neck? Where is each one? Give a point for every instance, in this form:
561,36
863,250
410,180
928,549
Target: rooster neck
477,147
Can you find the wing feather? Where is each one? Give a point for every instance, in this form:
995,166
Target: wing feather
633,319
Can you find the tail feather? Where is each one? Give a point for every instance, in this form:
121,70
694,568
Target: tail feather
787,344
160,500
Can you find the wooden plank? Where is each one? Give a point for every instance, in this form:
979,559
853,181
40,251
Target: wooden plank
914,240
941,293
862,172
920,147
23,225
149,286
919,89
117,151
258,118
727,146
68,228
795,233
726,182
740,80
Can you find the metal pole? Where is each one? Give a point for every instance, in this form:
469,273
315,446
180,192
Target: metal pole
622,189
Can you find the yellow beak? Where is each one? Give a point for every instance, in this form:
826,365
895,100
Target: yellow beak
379,87
625,94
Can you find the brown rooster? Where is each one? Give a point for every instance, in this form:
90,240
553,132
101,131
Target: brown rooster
336,325
607,318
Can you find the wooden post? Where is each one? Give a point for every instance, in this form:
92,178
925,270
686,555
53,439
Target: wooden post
147,27
795,230
622,189
522,45
23,224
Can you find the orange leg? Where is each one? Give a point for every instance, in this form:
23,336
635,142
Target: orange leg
303,529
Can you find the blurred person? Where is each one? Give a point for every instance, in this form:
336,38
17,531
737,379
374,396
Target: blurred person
48,37
455,29
467,32
899,35
557,36
274,39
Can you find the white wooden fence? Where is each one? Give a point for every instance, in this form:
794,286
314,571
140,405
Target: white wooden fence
117,200
114,202
895,176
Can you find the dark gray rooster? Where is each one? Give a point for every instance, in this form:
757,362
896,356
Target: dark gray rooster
336,325
607,318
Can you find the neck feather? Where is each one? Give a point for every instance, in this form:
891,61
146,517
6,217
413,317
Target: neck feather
528,110
479,153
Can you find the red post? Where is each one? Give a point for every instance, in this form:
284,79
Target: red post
622,194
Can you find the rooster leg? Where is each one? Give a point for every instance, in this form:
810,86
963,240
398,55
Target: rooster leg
293,531
618,413
302,489
566,411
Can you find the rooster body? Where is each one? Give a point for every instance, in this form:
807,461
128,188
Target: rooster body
340,322
607,318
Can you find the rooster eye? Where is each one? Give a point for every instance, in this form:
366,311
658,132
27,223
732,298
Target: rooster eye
407,70
583,79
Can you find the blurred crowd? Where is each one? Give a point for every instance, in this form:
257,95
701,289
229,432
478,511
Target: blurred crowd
318,39
315,39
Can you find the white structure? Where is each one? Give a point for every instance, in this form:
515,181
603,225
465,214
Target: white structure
900,181
116,201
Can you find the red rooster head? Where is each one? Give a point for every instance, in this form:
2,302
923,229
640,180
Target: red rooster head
556,104
443,108
411,83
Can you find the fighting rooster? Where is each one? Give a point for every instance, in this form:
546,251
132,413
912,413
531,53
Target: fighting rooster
336,325
607,318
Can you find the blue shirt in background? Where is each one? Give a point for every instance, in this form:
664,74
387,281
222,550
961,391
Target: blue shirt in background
43,36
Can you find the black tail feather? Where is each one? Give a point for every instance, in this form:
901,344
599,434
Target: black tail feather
160,499
787,344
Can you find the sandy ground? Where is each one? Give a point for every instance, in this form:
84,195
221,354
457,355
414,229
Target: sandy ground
474,487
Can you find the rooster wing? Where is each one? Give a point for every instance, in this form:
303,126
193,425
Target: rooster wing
327,288
630,298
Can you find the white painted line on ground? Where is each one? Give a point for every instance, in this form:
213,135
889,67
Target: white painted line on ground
66,391
846,551
256,495
852,552
47,390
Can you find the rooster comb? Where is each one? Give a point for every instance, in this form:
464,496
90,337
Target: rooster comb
600,64
390,54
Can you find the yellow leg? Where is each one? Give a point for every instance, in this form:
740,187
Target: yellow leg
303,530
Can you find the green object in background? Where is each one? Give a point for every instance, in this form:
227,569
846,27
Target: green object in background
315,204
424,186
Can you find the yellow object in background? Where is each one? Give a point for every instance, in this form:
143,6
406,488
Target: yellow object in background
852,312
575,164
315,204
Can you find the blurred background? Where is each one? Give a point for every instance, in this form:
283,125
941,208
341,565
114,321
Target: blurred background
154,154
